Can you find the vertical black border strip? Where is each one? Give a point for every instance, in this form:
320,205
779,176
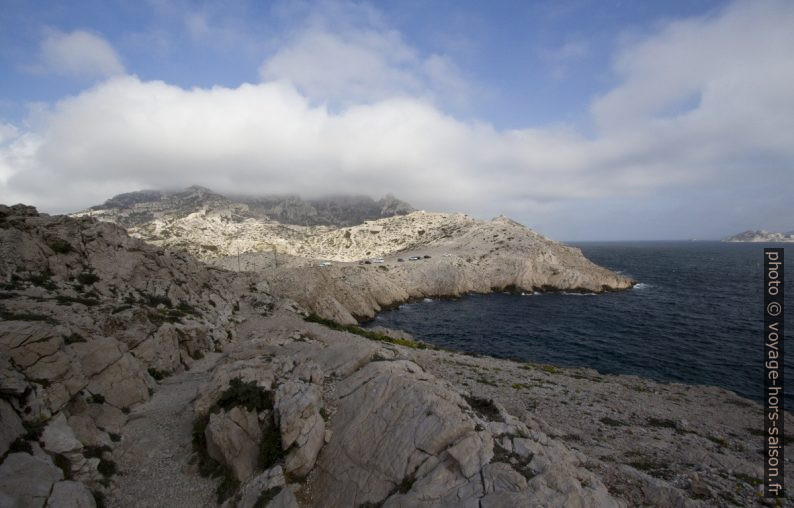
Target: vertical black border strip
773,372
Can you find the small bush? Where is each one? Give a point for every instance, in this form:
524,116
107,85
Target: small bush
99,498
106,468
68,300
661,423
73,338
33,430
95,452
87,278
43,279
96,398
186,308
25,316
20,445
369,334
270,451
612,422
60,246
114,437
268,495
485,408
247,395
155,300
158,375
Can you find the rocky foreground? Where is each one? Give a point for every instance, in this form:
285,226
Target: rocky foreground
136,376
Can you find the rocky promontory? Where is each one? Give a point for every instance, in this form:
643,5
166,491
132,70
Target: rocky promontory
350,273
136,375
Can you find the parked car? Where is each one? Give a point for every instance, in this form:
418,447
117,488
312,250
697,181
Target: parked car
426,256
378,260
414,258
400,260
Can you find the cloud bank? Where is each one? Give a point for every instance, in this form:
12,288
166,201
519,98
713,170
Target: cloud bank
700,103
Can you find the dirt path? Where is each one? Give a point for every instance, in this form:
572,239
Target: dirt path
154,454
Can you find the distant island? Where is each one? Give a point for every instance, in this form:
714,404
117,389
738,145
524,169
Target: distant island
761,235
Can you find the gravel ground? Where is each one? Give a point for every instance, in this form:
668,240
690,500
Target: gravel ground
155,452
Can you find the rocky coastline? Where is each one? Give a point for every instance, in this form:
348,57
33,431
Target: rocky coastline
136,375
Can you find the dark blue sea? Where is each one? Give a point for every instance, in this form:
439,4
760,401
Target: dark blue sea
695,317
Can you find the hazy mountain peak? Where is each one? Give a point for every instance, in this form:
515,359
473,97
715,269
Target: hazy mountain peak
133,209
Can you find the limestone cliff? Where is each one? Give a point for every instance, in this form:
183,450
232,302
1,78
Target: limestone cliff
338,273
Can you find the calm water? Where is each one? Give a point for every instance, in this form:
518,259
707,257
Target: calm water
696,317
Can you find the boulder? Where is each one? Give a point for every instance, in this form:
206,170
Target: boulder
233,439
70,494
273,478
27,480
297,411
123,384
58,437
391,418
12,382
10,426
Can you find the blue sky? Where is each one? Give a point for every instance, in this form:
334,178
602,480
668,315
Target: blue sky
584,119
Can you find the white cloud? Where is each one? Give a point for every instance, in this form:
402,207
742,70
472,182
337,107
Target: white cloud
346,55
79,54
389,135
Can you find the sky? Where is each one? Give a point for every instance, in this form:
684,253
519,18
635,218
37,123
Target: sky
583,119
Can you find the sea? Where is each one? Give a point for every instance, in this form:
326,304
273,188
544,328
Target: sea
695,316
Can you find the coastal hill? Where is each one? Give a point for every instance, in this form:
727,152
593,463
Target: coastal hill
132,375
349,273
761,236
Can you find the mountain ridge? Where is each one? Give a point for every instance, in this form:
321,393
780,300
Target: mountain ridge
132,209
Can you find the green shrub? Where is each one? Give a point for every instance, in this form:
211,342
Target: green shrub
95,452
68,300
155,300
43,279
106,468
63,464
25,316
60,246
158,375
247,395
661,423
73,338
270,451
186,308
369,334
96,398
267,496
87,278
